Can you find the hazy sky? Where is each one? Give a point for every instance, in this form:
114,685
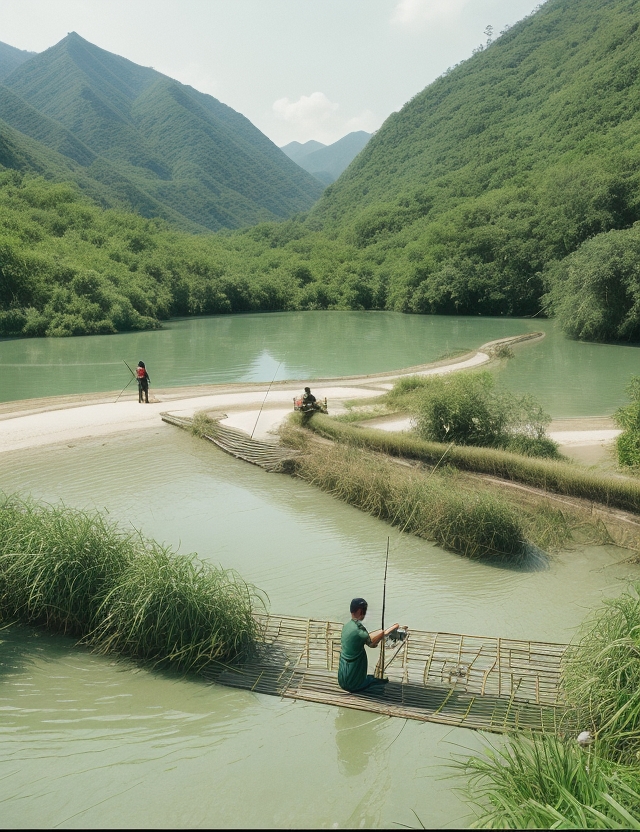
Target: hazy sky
299,69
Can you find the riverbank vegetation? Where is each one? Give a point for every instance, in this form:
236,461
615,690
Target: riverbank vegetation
552,781
509,186
628,418
470,409
76,573
550,475
475,518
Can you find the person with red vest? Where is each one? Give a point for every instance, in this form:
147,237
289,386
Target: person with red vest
143,382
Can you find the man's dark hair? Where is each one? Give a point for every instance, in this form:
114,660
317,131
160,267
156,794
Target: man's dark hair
358,604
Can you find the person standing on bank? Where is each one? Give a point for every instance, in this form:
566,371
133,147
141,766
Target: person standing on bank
352,670
143,382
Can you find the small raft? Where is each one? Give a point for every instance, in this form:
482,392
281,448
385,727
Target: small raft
272,456
485,683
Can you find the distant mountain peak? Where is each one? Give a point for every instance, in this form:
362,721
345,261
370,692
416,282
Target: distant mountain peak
188,155
327,162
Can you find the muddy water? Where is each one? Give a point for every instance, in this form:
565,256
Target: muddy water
569,378
91,742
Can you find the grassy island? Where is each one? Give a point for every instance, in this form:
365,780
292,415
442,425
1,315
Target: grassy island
78,574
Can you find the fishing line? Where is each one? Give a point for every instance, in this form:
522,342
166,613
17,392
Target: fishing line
128,383
265,398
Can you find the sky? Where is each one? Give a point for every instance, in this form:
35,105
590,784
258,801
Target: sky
298,69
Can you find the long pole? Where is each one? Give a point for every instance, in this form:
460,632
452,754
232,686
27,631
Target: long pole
128,383
265,398
380,666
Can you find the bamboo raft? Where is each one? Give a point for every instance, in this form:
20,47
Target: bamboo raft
268,455
484,683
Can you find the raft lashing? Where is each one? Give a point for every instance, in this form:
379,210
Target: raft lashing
485,683
268,455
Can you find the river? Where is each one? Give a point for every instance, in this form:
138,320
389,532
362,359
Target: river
567,377
88,741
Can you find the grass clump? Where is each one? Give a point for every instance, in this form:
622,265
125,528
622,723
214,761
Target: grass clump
76,573
628,418
476,525
177,609
544,782
602,679
547,474
550,781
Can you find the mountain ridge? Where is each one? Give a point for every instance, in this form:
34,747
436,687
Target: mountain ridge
189,152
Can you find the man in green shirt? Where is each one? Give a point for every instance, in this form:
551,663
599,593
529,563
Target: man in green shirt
352,671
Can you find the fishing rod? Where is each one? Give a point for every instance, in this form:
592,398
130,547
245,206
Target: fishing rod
381,666
379,674
128,383
265,399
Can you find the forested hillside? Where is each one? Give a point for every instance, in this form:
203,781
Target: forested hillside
510,186
198,163
11,58
505,164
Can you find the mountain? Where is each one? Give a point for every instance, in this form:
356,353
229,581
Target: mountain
327,163
200,161
505,164
11,58
297,151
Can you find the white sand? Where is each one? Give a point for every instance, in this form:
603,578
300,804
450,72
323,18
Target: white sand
258,410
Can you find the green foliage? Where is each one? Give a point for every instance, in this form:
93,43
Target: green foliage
547,782
549,475
466,408
602,679
76,573
153,144
475,525
543,782
595,292
514,175
628,418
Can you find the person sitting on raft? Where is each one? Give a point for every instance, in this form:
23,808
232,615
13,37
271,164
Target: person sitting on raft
309,401
352,670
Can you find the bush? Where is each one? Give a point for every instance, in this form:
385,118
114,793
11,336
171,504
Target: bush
628,418
75,573
467,409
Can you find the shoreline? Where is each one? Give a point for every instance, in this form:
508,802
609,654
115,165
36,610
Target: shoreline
256,407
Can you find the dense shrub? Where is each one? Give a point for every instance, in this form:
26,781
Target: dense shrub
628,418
76,573
468,409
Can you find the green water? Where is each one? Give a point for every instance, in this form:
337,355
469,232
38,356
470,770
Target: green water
569,378
87,741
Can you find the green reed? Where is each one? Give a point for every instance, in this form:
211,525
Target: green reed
544,782
471,523
549,475
602,678
76,573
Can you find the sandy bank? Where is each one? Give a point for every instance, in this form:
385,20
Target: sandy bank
254,408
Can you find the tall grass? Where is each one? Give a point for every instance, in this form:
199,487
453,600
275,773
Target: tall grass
558,477
544,782
76,573
548,781
602,678
472,524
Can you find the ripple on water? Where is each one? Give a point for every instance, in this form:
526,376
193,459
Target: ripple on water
88,741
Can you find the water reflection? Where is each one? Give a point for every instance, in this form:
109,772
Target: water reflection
357,739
